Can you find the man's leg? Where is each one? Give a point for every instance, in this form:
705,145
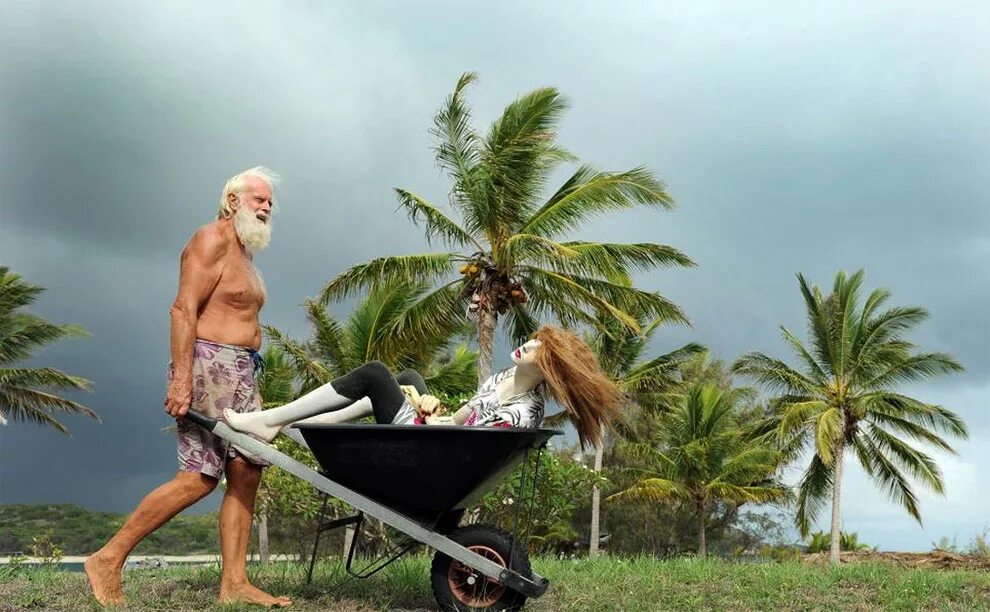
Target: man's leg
236,512
104,566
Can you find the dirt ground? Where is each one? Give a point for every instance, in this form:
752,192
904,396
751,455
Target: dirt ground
924,560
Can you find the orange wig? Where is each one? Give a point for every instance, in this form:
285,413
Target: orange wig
575,380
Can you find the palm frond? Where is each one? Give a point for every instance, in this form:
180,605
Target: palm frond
35,406
458,150
456,376
430,318
21,334
43,377
521,324
387,270
589,192
519,155
328,336
828,432
819,327
276,381
310,371
798,415
605,258
530,247
655,375
893,482
436,223
564,286
914,368
814,491
920,465
655,489
774,374
815,370
884,406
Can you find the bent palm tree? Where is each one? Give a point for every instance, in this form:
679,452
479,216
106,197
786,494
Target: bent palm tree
702,453
843,397
28,394
507,244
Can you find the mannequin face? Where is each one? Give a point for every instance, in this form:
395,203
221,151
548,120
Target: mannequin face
525,355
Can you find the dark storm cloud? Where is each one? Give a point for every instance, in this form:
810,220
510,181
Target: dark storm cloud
794,140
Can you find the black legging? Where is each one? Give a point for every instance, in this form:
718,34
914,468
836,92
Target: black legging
376,382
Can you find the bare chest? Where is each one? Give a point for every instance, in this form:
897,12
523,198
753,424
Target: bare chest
240,284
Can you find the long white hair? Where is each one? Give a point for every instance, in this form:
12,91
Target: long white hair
236,184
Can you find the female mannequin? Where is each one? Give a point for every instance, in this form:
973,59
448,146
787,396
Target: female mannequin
555,362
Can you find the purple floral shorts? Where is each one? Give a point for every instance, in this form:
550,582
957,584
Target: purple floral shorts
223,377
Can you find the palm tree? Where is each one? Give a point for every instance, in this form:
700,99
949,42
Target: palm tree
506,245
387,326
651,384
702,453
28,394
843,397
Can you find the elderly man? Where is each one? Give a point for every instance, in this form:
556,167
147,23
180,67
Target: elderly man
215,336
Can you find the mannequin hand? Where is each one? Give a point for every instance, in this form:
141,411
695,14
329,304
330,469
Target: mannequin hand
411,393
429,405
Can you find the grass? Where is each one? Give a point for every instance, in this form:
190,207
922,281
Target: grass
601,584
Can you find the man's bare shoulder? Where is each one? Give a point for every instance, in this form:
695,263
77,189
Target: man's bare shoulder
209,242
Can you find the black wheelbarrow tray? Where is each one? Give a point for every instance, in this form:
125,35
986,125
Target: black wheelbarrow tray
419,480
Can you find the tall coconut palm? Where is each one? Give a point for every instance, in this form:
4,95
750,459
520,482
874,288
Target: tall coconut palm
29,394
651,384
844,396
506,258
702,453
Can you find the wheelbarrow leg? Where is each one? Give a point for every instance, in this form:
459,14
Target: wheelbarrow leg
316,542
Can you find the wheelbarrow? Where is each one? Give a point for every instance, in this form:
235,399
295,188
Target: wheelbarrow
419,480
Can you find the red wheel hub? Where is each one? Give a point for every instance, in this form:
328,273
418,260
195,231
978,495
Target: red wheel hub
473,588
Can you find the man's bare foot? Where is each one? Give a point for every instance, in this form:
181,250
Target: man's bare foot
104,579
248,593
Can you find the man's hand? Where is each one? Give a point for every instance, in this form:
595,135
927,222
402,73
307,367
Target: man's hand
428,405
179,397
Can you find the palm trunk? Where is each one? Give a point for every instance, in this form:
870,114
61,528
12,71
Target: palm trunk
596,497
263,536
702,543
486,336
833,553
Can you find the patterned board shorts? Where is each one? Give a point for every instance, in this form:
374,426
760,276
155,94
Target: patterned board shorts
224,376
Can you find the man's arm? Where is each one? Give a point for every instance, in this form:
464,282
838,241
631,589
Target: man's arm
199,272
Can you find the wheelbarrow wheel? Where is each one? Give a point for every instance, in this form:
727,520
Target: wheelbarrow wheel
458,587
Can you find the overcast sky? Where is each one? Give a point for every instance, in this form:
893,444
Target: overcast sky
794,139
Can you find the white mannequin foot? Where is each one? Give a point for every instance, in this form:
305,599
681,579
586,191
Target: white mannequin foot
251,423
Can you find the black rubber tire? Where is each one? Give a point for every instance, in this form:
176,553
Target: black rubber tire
494,538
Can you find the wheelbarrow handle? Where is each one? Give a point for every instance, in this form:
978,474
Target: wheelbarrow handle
200,419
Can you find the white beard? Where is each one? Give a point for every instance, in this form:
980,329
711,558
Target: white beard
253,233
